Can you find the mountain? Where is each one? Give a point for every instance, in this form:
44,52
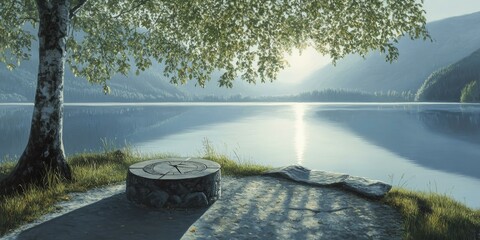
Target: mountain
453,39
19,86
448,83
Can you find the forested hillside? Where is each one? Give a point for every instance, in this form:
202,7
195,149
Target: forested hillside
448,83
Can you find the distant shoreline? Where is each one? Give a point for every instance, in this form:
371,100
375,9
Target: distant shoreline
257,103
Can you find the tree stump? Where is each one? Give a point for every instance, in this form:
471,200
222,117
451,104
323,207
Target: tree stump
174,183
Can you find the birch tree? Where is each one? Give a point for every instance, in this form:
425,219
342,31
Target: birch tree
243,39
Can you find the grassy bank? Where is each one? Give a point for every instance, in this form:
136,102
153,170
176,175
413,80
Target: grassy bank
434,216
89,170
426,216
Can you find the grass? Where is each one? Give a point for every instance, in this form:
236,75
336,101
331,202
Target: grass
230,167
426,215
90,170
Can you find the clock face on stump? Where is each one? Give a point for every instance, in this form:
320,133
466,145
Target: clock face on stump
174,167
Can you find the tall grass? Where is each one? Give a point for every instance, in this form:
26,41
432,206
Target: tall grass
229,166
434,216
31,204
89,170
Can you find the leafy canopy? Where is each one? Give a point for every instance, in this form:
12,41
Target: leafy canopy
193,38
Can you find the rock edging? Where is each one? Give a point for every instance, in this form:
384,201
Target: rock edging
368,188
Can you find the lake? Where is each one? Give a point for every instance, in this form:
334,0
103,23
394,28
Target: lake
429,147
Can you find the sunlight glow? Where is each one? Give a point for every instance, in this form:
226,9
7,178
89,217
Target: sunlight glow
302,65
300,138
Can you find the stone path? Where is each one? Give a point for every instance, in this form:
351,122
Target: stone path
258,207
271,208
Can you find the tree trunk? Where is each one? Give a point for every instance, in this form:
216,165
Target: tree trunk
44,151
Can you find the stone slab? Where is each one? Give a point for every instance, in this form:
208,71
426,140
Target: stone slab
363,186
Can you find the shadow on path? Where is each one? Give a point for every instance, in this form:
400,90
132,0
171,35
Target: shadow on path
258,207
269,208
115,218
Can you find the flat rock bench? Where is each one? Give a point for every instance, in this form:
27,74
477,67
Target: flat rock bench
174,183
368,188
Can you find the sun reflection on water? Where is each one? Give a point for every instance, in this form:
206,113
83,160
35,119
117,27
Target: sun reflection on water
299,139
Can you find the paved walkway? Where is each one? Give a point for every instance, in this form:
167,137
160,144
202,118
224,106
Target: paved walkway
258,207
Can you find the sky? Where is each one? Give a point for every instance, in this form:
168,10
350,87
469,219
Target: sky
301,66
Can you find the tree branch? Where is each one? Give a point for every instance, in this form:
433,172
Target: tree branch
77,8
32,19
141,3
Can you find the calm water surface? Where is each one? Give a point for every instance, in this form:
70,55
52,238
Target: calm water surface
430,147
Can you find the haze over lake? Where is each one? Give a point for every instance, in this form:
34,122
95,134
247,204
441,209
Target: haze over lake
430,147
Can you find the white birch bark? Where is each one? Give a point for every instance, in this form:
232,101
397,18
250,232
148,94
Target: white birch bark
44,151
